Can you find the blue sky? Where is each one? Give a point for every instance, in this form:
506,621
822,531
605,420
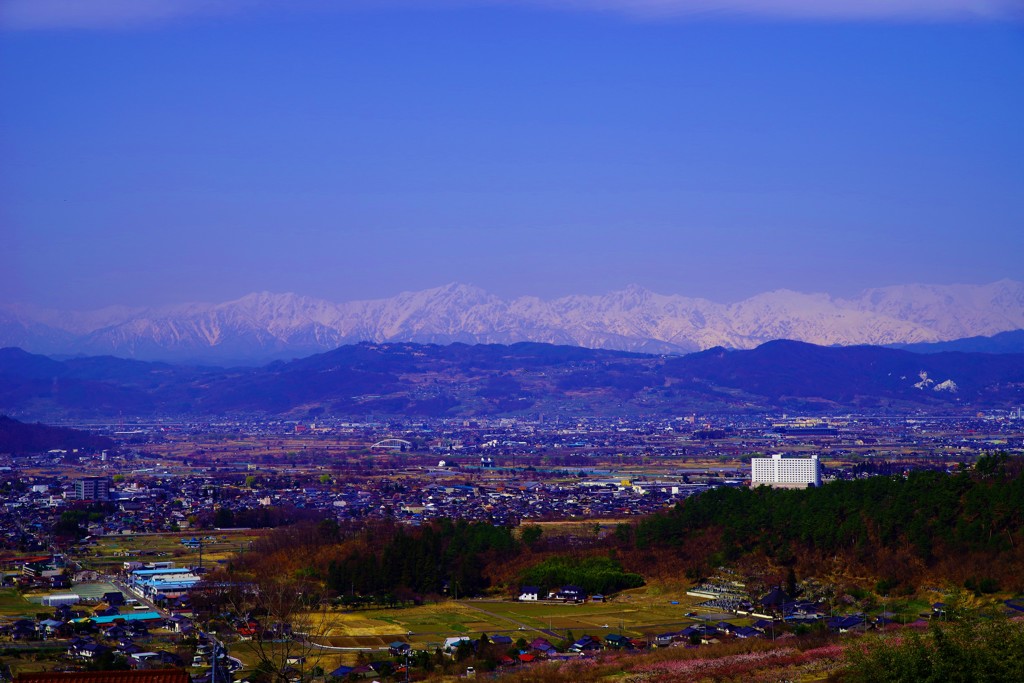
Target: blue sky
200,151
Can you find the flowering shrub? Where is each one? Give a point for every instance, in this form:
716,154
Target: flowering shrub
738,666
753,661
722,667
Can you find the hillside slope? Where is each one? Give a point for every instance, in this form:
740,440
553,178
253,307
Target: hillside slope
527,378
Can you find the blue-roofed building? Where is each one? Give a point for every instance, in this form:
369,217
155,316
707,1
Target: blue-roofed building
132,616
170,582
341,672
142,573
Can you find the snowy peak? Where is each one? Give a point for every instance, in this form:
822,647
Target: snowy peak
950,311
265,325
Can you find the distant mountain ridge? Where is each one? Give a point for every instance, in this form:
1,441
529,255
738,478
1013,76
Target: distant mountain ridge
1004,342
17,437
527,378
264,326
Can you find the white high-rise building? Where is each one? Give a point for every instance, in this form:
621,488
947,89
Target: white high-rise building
778,471
92,488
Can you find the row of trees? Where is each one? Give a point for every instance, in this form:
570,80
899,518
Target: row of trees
262,517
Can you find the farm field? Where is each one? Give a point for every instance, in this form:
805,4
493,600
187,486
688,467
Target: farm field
112,551
90,591
637,613
31,658
220,447
429,624
13,604
573,527
328,660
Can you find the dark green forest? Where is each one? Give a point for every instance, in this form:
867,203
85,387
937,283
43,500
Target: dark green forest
926,517
593,574
444,557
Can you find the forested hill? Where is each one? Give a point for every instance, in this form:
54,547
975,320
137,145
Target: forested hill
967,527
519,379
18,437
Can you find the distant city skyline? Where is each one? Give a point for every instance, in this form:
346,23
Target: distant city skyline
167,152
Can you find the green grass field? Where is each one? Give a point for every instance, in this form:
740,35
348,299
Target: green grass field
906,610
635,613
638,612
12,604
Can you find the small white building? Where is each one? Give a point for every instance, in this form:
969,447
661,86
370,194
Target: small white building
529,593
780,472
452,644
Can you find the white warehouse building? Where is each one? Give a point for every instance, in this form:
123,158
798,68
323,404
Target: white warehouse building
781,472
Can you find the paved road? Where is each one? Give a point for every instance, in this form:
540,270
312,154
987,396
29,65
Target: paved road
129,593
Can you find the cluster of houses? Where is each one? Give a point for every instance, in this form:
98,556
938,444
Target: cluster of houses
35,572
152,503
28,517
112,630
101,631
514,653
566,593
496,501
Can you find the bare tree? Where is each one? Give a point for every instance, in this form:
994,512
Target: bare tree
283,621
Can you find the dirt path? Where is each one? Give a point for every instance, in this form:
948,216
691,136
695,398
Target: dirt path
520,626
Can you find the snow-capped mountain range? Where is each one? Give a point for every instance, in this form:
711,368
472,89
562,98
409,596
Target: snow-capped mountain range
264,326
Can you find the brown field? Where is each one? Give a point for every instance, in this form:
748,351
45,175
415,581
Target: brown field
112,551
216,447
328,660
573,527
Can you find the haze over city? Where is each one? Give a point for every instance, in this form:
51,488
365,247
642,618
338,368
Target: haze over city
163,152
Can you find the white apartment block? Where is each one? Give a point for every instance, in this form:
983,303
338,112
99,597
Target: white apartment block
781,472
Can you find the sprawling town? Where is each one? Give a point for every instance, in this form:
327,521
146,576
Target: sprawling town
108,555
174,477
